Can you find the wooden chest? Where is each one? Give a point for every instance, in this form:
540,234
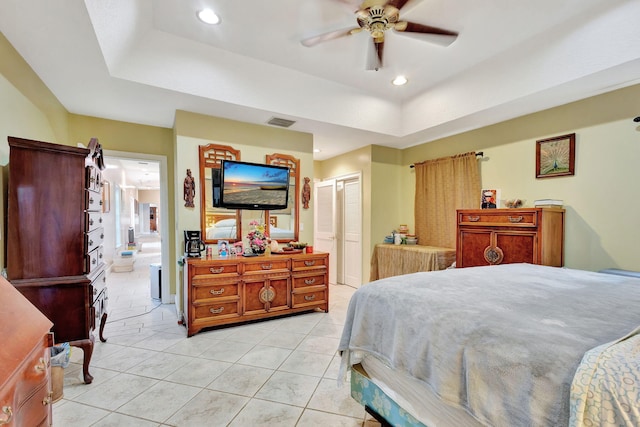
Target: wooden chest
503,236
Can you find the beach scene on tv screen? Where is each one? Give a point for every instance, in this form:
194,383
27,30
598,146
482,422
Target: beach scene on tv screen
255,185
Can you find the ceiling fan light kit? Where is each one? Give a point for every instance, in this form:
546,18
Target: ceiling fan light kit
377,18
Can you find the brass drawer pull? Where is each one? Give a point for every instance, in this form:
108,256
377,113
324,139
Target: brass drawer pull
90,242
310,297
216,310
515,218
214,292
8,412
42,365
47,399
94,261
309,281
266,266
216,270
473,218
90,200
91,222
310,263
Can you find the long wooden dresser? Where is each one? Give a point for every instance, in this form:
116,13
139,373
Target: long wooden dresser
25,371
55,234
504,236
222,291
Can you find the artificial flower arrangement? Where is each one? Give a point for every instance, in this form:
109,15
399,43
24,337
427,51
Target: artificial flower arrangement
258,239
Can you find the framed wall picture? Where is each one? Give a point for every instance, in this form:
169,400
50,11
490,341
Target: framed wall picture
556,156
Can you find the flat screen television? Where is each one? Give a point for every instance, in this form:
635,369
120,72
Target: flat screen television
253,186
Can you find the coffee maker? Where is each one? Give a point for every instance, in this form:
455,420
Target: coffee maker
193,245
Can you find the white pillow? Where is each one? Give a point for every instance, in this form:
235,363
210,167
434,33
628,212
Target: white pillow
226,223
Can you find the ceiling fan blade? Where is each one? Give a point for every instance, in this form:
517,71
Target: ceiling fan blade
312,41
398,4
425,32
374,54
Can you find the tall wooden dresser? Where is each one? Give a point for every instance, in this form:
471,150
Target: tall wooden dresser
25,372
55,234
504,236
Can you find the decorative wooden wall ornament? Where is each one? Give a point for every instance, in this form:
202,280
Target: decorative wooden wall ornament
211,157
189,190
306,193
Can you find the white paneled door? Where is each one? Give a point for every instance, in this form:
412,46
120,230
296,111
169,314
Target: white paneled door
325,223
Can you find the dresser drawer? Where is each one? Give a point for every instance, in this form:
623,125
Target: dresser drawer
35,375
499,218
207,291
94,220
94,260
99,283
306,280
309,298
215,310
93,201
94,179
100,305
308,262
94,239
217,269
267,265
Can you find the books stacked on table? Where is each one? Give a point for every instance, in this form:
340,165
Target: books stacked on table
548,203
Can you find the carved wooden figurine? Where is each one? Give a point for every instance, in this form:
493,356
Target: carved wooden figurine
189,190
306,193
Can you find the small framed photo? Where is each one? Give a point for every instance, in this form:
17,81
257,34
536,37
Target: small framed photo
556,156
489,199
223,248
273,221
237,246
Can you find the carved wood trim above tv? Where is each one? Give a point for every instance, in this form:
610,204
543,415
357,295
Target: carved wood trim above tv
211,157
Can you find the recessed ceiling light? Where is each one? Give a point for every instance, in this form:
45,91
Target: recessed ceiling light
316,150
400,80
208,16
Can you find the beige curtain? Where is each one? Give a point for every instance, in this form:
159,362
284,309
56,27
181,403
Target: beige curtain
442,186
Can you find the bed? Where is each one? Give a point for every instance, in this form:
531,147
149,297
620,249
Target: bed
506,345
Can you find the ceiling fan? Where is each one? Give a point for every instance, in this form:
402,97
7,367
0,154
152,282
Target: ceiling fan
378,16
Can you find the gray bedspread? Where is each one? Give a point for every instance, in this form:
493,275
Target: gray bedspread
503,342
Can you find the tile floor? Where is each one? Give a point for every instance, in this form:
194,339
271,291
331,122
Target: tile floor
280,372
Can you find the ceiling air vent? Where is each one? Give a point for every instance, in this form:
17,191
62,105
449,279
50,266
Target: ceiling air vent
276,121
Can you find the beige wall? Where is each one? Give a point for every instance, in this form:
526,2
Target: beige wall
27,110
601,199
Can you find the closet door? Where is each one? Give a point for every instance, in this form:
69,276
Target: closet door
325,224
352,233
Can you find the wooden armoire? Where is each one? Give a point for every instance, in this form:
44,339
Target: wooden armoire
55,234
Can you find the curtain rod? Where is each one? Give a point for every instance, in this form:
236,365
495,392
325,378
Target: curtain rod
478,154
